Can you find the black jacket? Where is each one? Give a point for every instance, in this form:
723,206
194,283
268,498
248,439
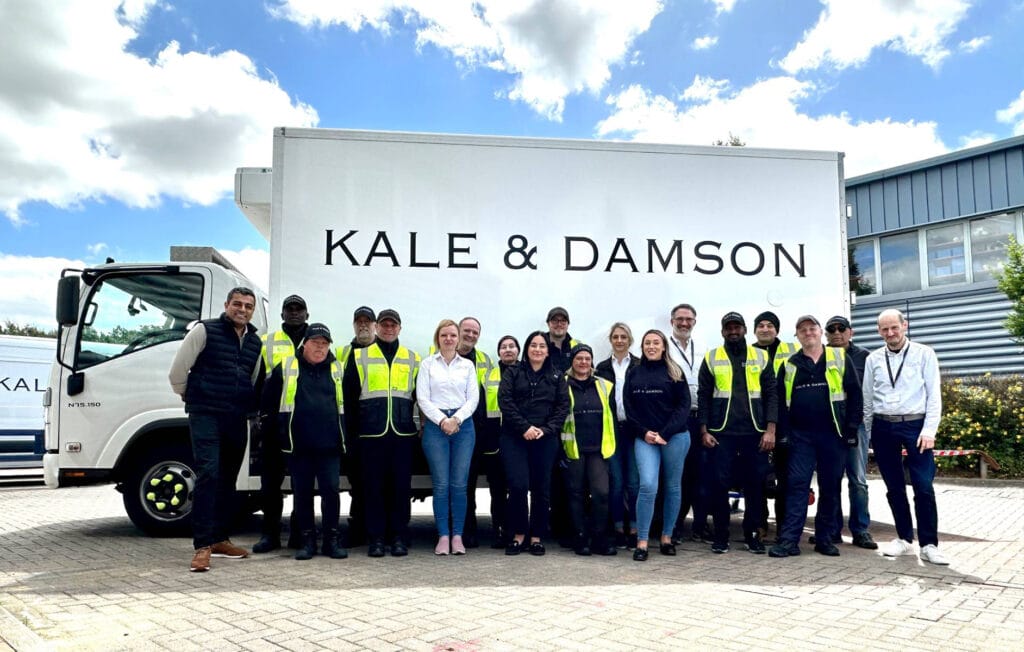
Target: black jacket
654,401
220,380
532,398
738,420
849,413
314,425
605,370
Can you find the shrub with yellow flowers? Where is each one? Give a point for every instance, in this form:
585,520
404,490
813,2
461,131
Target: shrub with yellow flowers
984,413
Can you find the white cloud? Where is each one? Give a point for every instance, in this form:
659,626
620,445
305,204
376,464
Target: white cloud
254,263
974,44
976,138
1013,114
723,6
766,114
85,119
95,249
704,42
552,49
28,288
847,32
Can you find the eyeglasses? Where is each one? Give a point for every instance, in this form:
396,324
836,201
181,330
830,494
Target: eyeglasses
837,327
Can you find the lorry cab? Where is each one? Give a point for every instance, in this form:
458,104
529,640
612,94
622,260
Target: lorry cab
107,417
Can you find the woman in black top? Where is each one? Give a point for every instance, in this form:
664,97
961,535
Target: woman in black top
534,402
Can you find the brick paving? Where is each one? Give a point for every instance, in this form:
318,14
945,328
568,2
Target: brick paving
76,575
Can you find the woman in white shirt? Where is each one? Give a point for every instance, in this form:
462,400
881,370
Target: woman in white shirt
447,393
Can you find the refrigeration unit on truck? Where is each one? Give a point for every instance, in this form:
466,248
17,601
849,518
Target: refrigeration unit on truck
440,226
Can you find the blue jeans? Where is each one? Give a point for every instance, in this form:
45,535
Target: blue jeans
218,446
809,450
889,439
449,457
624,481
649,460
856,476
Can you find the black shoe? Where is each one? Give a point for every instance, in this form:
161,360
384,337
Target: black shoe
497,539
631,540
399,549
513,548
375,549
294,539
582,551
720,548
755,545
828,549
537,549
707,535
677,537
862,540
267,543
604,549
308,548
620,540
640,554
784,549
668,549
470,540
332,546
813,540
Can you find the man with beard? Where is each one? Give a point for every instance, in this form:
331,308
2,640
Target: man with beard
737,414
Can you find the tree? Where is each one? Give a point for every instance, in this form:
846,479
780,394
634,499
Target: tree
733,141
1011,283
10,328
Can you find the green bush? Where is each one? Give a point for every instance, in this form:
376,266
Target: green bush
984,413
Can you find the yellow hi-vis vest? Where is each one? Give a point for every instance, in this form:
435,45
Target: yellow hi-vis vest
290,376
385,391
276,347
721,368
341,353
782,353
835,367
572,451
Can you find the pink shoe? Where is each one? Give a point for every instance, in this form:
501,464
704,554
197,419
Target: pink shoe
458,548
442,546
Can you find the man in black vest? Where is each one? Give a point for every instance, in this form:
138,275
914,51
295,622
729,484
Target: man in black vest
216,372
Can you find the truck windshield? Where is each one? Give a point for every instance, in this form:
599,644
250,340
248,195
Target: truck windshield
130,312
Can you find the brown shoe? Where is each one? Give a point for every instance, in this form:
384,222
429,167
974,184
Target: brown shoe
229,550
200,560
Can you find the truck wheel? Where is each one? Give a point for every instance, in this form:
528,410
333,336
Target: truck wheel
159,490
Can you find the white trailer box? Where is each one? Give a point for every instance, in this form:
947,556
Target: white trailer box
505,228
24,374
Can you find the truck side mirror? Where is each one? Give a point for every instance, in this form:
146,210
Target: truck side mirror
67,301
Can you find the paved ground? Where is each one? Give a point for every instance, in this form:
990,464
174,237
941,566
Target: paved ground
75,574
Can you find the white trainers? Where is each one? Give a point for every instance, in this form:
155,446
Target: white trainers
898,548
933,555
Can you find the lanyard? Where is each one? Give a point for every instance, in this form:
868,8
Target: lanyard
888,366
683,353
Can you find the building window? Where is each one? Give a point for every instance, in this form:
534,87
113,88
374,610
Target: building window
989,237
946,262
901,265
862,268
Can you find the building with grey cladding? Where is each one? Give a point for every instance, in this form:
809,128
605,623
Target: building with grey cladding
927,238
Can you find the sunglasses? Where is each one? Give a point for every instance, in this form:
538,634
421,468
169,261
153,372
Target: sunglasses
838,327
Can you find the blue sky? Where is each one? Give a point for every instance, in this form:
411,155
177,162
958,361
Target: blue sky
124,120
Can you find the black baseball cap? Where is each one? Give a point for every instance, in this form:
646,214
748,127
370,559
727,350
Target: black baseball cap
293,299
389,313
318,330
802,318
556,311
364,311
733,317
838,319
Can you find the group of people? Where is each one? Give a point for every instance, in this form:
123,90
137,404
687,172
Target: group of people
629,443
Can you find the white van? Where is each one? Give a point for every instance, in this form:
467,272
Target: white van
24,373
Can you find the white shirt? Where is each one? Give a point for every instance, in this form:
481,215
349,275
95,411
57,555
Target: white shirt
904,382
620,383
689,358
447,386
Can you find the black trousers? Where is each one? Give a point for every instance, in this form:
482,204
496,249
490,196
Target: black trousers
324,469
387,478
528,469
272,470
737,456
695,486
588,476
492,468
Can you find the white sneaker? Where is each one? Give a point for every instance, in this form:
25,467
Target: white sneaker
898,548
933,555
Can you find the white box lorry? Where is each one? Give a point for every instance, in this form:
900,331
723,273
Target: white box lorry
24,375
447,226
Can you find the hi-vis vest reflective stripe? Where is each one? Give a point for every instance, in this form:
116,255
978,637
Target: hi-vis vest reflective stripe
721,367
835,366
782,354
341,353
386,389
572,451
290,376
276,347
